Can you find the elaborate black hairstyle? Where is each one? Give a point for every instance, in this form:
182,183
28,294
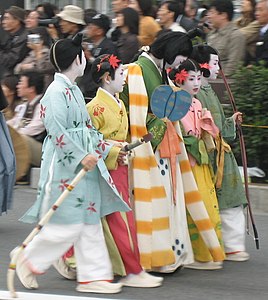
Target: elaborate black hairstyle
63,52
170,44
184,67
201,54
103,64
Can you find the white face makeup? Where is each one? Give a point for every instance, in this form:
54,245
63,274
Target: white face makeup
82,65
177,62
116,85
214,66
192,83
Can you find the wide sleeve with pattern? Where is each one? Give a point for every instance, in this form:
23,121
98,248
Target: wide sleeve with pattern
98,121
55,113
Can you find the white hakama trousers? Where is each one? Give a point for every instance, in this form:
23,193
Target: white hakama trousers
233,229
92,258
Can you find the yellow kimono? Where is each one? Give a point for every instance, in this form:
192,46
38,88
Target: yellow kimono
109,116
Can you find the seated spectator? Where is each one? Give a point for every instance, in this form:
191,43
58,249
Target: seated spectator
148,27
249,27
28,122
9,88
14,48
225,37
127,44
167,15
262,44
38,59
96,31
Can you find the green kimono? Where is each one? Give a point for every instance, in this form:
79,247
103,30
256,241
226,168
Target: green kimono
231,193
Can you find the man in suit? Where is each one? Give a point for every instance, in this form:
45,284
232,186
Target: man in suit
262,44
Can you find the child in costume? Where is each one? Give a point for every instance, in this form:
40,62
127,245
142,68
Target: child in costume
159,204
72,143
195,123
229,187
108,115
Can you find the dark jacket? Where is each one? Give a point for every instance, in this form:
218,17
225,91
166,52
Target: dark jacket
262,49
13,49
127,46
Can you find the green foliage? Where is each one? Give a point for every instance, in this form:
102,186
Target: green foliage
250,90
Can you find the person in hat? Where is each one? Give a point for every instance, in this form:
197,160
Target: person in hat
157,203
72,143
99,44
71,21
13,49
7,160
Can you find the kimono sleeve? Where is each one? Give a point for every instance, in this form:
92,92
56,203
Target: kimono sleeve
55,114
98,121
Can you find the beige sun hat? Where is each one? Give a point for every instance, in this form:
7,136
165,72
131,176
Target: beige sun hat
73,14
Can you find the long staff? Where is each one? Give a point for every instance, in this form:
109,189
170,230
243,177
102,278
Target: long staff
42,222
244,160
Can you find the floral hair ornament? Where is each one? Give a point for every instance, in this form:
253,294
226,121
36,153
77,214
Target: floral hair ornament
204,66
182,76
111,59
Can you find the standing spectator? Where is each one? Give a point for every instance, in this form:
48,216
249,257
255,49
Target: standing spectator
128,43
182,19
14,49
262,45
225,36
118,5
167,15
32,19
71,22
148,27
38,59
249,27
100,44
9,87
28,122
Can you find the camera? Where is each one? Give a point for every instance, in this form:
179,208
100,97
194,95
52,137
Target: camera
46,22
34,38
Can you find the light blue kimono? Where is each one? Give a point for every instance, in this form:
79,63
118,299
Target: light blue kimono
7,167
70,138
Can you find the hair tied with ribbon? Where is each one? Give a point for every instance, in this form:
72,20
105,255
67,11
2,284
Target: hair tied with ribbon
181,76
204,66
112,60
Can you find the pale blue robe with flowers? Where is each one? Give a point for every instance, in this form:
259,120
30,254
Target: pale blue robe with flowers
70,138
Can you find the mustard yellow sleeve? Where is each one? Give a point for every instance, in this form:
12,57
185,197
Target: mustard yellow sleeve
111,159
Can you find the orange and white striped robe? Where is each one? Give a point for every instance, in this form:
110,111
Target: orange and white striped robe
158,220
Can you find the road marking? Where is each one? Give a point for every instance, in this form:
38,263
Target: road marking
5,295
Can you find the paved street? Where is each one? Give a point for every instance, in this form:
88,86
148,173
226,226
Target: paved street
236,281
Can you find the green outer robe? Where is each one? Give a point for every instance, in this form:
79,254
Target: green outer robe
231,193
152,78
